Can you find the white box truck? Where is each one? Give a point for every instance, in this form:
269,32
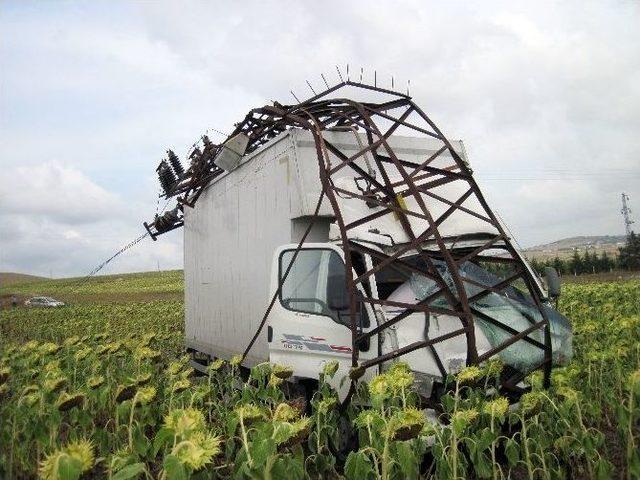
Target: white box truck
241,235
353,230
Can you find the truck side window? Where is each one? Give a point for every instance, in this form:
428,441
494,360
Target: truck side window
316,284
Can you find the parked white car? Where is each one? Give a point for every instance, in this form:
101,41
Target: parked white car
43,302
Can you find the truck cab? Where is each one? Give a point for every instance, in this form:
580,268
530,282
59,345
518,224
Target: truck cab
310,322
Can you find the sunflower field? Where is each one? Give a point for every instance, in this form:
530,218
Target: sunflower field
104,390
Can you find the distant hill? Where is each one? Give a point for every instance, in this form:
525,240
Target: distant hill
565,247
10,278
126,287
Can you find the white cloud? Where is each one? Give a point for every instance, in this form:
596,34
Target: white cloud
546,98
59,193
56,219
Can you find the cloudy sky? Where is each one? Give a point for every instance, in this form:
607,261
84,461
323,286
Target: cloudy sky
545,95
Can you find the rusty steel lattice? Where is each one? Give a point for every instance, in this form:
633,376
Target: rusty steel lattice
405,188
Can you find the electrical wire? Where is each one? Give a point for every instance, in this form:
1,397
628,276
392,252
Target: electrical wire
118,253
107,261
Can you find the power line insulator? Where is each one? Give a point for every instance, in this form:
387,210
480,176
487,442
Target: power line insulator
209,147
195,155
178,169
166,221
168,180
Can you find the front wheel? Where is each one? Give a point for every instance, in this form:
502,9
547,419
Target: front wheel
346,439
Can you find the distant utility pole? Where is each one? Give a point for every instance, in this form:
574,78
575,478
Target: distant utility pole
626,213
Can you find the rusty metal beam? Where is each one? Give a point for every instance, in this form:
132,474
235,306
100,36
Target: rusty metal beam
418,181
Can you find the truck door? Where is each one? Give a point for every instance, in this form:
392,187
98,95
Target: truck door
308,325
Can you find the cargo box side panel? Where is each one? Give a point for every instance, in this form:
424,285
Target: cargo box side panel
414,149
410,149
230,238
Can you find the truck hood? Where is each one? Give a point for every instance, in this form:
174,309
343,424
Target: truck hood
513,309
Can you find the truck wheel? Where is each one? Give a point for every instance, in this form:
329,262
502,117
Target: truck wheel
300,393
347,440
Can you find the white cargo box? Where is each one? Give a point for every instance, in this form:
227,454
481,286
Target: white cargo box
243,216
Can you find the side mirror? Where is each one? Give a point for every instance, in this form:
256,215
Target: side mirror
553,282
364,345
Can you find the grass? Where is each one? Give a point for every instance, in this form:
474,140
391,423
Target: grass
603,277
123,288
586,426
9,278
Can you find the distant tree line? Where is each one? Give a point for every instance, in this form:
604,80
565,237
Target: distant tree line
628,258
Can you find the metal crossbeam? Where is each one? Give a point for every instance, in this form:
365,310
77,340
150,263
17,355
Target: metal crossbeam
395,183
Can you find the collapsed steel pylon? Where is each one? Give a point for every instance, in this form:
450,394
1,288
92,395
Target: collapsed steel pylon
407,189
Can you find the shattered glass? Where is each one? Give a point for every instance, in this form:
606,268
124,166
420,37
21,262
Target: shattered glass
512,308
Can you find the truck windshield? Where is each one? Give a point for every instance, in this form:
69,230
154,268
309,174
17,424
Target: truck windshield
316,284
512,307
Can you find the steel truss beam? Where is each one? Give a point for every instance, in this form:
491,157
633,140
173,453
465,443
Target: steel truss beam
394,181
